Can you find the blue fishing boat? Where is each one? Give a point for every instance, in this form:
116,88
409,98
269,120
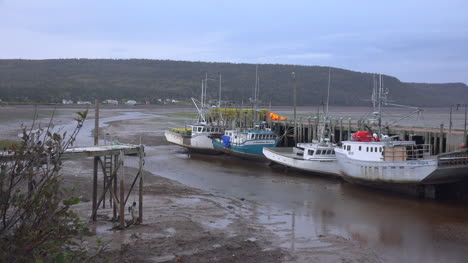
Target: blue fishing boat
247,144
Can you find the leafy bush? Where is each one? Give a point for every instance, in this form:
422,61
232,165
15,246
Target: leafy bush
36,222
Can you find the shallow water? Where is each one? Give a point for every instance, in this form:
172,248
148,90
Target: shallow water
301,208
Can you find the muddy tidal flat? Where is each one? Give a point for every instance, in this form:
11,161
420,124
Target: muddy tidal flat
220,209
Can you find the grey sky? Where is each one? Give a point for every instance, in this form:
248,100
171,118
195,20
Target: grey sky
420,41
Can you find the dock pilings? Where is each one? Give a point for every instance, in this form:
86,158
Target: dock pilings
438,138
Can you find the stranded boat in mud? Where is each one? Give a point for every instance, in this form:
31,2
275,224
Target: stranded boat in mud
318,157
197,137
246,144
369,160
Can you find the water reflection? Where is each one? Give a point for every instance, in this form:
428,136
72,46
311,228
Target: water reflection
301,208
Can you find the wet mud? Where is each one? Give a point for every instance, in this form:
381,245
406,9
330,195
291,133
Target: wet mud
222,209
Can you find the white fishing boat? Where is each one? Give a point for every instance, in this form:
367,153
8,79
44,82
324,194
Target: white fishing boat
369,160
373,160
197,137
312,157
316,157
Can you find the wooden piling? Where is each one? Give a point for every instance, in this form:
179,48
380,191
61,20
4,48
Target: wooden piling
341,130
122,197
96,160
441,138
140,192
114,186
349,129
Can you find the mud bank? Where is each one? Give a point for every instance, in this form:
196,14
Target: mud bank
181,224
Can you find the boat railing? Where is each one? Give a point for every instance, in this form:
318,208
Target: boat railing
407,152
459,158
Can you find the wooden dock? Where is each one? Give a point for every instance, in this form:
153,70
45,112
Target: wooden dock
440,139
109,159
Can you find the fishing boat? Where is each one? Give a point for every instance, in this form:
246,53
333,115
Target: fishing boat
316,157
197,137
379,160
247,143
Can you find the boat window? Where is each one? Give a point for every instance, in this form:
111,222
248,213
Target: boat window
349,148
333,151
311,152
319,152
375,149
328,151
367,149
371,149
360,147
199,129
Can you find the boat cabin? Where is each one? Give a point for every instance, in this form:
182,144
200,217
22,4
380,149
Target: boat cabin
244,136
315,151
206,129
376,150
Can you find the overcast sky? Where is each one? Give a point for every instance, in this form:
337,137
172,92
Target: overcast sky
419,41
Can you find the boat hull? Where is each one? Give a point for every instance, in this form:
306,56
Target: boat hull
285,156
252,152
399,172
200,143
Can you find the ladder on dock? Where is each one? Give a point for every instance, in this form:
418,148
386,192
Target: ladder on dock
107,178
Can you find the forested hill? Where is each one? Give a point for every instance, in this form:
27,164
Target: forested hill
138,79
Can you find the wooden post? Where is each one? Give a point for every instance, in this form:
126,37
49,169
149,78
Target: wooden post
140,193
465,139
285,138
114,182
349,129
341,130
309,131
441,138
96,160
301,133
122,197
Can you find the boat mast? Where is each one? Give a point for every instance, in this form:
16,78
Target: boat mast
328,90
380,105
219,95
206,86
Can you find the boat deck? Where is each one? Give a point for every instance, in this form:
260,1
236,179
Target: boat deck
286,152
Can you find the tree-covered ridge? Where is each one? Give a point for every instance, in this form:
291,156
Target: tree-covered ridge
142,79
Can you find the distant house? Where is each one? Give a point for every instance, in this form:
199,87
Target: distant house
174,101
112,102
160,100
65,101
147,102
83,102
131,102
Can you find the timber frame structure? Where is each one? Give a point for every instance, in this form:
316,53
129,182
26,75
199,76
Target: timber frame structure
109,159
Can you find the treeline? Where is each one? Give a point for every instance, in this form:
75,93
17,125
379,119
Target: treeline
48,81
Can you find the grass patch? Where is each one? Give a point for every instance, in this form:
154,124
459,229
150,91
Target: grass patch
190,115
6,144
